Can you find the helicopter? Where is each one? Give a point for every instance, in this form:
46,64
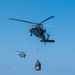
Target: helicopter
37,29
21,53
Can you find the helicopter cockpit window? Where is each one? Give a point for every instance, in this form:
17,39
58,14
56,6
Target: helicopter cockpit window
32,27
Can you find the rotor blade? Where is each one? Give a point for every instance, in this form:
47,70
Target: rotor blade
47,19
54,26
17,51
22,21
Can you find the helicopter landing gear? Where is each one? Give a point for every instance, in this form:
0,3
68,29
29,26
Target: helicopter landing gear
48,36
31,34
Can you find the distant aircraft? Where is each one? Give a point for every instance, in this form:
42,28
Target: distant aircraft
21,53
38,30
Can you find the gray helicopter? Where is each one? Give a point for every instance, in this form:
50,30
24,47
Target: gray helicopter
21,53
38,30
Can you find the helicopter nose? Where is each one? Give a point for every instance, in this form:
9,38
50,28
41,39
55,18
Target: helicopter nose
31,29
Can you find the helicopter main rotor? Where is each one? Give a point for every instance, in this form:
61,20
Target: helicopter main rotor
31,22
47,19
17,51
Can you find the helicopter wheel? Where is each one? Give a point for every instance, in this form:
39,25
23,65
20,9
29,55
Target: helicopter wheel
31,34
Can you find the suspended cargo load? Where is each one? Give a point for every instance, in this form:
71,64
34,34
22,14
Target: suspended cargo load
37,65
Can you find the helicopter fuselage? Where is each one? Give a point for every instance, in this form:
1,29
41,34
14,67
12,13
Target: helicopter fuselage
38,31
22,54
